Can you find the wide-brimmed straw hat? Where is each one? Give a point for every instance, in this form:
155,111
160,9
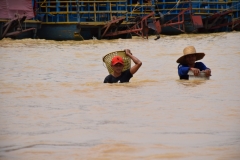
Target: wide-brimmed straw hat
187,51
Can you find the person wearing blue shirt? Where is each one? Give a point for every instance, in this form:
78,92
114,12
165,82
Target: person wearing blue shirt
188,62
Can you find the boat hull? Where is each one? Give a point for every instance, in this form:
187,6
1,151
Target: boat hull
63,32
83,20
29,24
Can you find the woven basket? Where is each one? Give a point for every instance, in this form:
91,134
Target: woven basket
108,58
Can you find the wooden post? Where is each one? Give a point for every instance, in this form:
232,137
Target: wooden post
110,9
46,13
94,8
78,16
67,12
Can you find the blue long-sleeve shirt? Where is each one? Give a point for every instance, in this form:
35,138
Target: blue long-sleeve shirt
183,69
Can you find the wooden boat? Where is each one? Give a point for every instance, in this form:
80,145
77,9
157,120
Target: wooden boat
84,19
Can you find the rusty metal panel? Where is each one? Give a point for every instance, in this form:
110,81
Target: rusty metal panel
158,27
197,21
9,8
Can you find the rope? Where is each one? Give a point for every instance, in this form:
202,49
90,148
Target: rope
173,7
42,3
231,7
135,7
227,9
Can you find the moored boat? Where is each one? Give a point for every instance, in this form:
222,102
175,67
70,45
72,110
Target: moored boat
79,20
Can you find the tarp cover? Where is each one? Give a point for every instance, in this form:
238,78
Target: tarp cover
8,8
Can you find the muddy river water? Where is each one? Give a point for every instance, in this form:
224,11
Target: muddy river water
54,105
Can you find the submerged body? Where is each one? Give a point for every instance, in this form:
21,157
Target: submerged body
124,77
187,63
117,65
184,69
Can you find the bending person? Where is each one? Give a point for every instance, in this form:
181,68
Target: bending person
187,63
118,76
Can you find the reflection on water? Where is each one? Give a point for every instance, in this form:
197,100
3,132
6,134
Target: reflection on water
191,83
54,104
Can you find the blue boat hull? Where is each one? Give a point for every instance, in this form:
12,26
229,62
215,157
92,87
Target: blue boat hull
63,32
61,20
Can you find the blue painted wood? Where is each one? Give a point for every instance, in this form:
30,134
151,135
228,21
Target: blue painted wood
62,32
57,12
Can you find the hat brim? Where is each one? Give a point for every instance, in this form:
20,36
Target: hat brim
182,60
117,63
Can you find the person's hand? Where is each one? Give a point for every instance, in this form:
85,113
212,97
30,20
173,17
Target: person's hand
207,72
195,71
128,52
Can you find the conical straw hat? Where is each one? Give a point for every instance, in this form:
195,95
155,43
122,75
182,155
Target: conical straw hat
187,51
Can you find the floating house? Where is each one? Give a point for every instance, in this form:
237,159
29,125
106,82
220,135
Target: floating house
85,19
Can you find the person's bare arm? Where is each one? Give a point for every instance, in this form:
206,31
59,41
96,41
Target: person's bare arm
208,72
137,62
195,71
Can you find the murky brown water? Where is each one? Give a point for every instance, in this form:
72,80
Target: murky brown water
54,105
